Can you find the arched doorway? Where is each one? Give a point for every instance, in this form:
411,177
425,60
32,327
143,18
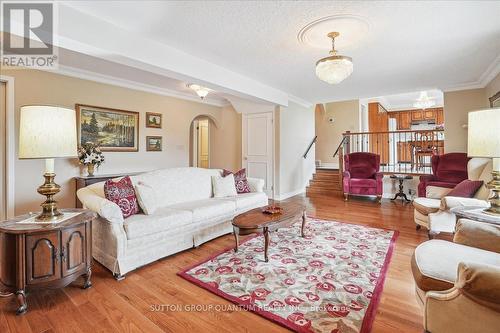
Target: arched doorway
200,142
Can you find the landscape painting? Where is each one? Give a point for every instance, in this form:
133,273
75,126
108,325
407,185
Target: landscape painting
113,130
153,120
154,143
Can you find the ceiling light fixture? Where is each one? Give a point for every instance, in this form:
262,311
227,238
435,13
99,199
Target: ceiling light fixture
335,68
202,92
424,101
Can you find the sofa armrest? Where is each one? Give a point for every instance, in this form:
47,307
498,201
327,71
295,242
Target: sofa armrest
256,184
476,292
478,234
105,208
346,174
448,203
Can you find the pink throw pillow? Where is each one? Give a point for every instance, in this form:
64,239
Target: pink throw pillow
466,188
240,180
122,193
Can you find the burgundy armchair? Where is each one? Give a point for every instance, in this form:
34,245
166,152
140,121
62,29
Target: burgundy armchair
361,176
447,171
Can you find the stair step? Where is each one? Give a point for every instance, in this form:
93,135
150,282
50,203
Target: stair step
323,184
316,191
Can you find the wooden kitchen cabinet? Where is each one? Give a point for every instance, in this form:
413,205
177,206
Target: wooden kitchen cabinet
439,116
404,120
45,256
378,121
430,114
417,115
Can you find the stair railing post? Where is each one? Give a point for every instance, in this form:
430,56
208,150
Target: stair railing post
347,135
341,167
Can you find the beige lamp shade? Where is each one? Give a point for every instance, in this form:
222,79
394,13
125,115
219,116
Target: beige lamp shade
47,132
484,133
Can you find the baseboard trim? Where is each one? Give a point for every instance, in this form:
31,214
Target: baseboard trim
287,195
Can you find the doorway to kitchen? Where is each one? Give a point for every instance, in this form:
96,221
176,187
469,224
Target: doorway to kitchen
200,142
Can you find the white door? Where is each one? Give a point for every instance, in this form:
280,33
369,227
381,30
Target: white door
3,147
257,150
203,144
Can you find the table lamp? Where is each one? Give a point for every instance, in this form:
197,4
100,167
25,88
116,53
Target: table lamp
484,141
47,132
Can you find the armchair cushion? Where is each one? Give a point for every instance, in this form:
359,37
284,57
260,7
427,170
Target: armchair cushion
362,165
448,203
481,283
478,234
447,171
434,263
426,205
466,188
357,182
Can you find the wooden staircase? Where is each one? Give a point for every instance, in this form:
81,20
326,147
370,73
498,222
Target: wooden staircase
325,182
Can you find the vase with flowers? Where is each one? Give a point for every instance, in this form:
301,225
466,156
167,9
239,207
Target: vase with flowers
90,155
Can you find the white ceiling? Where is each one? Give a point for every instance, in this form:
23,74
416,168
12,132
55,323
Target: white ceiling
410,45
405,101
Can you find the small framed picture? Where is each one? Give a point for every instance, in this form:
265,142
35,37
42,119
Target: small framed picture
153,120
154,143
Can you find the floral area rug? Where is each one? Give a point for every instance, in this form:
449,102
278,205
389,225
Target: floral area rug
328,281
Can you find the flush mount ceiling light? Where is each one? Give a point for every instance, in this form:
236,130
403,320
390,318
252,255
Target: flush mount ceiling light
335,68
424,101
202,92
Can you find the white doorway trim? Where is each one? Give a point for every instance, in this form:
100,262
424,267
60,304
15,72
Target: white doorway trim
10,143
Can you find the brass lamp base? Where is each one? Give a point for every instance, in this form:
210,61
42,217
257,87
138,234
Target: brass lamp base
49,207
494,186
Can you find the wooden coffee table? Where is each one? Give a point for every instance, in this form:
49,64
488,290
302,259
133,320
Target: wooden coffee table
255,221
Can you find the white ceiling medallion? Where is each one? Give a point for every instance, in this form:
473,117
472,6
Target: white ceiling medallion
353,29
335,68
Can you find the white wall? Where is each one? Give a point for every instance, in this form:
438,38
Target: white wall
295,130
37,87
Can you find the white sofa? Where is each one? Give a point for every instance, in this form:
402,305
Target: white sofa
433,211
188,215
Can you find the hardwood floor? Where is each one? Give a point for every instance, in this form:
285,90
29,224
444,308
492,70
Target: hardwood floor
126,306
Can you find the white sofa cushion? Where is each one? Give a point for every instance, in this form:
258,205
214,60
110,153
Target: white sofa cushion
224,186
207,209
146,197
140,225
248,200
436,192
179,185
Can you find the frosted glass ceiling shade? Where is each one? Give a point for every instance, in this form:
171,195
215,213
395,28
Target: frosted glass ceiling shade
484,133
334,69
47,132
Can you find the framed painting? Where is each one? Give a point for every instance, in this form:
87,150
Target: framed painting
154,143
153,120
114,130
495,100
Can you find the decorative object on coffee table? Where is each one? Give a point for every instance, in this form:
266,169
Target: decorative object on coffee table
401,193
47,132
40,256
329,281
484,141
256,221
90,155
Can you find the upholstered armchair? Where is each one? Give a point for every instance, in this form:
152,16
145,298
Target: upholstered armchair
447,171
433,211
361,176
458,283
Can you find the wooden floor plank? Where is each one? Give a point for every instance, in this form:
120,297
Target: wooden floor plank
125,306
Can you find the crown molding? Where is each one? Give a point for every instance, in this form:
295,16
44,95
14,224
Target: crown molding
124,83
488,75
300,101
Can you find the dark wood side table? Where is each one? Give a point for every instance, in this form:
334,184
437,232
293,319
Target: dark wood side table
401,193
40,256
84,181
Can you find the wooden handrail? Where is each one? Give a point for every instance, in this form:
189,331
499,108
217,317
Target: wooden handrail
310,145
340,145
387,132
